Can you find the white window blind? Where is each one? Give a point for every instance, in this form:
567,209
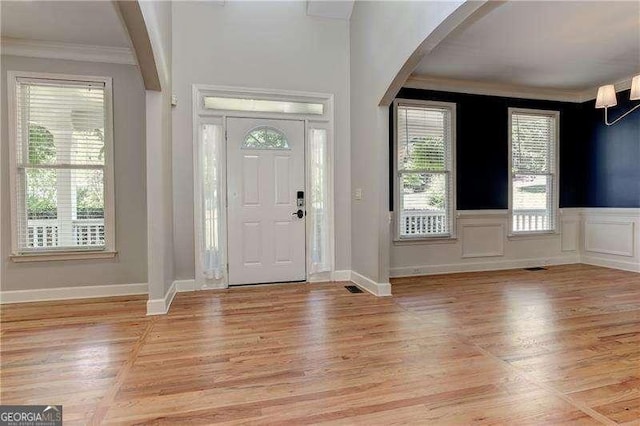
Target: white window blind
533,170
60,164
424,141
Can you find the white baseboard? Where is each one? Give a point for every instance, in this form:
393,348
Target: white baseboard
220,285
185,285
329,276
161,306
68,293
344,275
488,265
192,285
319,277
365,283
610,263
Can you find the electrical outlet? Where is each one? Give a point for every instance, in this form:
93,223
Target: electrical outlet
358,194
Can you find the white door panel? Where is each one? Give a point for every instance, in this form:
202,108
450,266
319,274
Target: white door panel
266,240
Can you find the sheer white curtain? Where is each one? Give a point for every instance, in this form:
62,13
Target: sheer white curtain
211,165
318,207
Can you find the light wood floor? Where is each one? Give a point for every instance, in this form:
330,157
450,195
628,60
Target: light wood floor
560,346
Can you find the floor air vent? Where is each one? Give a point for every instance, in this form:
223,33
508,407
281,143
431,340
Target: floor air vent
536,268
353,288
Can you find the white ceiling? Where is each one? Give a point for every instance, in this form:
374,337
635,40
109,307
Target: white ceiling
562,45
79,22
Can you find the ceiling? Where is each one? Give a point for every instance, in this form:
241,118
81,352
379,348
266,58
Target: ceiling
563,45
78,22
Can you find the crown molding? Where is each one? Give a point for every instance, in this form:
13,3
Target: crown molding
69,51
491,89
509,91
590,94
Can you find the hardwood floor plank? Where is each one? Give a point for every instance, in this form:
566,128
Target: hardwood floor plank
559,346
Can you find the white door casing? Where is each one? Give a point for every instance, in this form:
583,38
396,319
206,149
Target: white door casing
266,240
312,121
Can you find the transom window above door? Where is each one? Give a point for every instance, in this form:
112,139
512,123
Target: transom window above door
265,138
263,105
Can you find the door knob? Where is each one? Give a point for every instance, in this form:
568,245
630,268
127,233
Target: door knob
299,213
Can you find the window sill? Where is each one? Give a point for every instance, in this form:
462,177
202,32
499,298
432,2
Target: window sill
64,255
425,241
533,235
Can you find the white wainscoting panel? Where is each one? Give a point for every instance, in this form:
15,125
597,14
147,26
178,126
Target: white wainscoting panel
570,234
609,237
482,240
482,244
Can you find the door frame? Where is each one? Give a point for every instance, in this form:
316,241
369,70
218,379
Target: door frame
202,115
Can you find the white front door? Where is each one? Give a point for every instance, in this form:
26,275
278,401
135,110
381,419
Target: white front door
265,176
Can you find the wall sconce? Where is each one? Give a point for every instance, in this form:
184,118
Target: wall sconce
607,98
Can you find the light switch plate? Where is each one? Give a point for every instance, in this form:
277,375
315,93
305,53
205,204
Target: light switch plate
358,194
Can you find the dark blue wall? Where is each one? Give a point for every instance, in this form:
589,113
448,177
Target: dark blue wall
482,147
613,162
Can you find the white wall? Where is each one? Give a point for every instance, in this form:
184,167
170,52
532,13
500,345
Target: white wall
157,16
379,49
129,267
272,45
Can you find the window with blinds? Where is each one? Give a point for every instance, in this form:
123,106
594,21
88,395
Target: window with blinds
533,170
60,158
424,200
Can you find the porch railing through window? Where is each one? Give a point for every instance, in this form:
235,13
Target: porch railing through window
423,222
531,220
84,232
